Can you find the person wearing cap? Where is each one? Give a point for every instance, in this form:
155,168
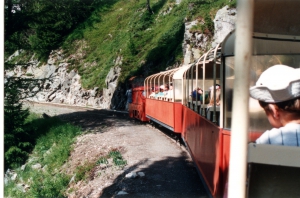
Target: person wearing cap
161,91
166,89
154,91
278,93
211,96
197,94
170,91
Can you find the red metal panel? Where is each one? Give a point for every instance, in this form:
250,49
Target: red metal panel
226,134
178,116
253,135
137,111
204,142
137,107
161,110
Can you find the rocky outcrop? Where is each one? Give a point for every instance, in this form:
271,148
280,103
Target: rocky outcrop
224,23
196,43
65,87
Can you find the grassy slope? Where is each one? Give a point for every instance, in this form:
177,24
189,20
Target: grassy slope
126,29
53,144
147,43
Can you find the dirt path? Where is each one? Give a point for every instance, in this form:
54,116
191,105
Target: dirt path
168,169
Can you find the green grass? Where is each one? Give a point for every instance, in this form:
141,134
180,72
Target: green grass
23,58
52,149
127,30
147,43
201,8
54,139
117,158
85,171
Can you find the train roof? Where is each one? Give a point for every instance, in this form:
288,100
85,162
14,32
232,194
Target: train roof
265,44
274,17
179,74
273,24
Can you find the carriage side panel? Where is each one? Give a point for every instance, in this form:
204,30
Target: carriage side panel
161,111
204,141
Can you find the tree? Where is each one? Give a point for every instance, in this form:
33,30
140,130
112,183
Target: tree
18,141
149,8
15,138
42,25
39,26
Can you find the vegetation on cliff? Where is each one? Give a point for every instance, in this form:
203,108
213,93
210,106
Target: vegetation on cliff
103,30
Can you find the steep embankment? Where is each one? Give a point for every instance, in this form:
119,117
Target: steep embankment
124,40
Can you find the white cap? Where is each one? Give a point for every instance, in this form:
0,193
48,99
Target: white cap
277,84
217,87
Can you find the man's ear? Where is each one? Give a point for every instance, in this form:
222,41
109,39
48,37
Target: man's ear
275,110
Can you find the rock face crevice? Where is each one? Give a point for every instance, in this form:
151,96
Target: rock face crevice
65,87
195,43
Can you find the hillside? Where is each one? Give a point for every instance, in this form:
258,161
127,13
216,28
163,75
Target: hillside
146,43
119,40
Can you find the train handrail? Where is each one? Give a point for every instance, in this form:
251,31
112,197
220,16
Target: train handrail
274,155
214,86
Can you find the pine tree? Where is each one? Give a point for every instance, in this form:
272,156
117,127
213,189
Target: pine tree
16,139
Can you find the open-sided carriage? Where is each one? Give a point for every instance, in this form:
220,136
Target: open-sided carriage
208,124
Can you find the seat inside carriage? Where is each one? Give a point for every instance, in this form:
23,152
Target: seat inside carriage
167,89
202,82
162,104
273,171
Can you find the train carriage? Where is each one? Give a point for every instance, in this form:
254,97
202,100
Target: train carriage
205,123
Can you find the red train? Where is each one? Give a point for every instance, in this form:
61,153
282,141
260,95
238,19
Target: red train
205,121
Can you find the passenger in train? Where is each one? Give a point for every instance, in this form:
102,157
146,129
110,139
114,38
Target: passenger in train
278,93
166,89
170,91
153,93
171,86
161,91
197,94
211,96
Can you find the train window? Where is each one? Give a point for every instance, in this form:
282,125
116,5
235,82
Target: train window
200,76
258,120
